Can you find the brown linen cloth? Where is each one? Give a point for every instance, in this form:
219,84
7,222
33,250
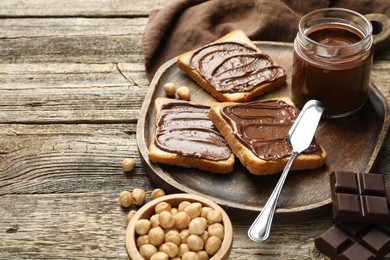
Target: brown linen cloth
188,24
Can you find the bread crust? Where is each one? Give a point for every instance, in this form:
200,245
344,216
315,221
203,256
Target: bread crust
235,36
254,164
157,155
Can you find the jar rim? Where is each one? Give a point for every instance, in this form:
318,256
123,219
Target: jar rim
367,35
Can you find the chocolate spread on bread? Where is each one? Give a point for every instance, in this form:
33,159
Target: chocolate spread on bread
263,126
234,67
186,130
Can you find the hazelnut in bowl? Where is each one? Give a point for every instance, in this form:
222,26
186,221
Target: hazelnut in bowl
179,226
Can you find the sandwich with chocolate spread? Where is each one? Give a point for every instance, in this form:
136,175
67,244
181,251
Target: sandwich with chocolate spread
232,68
186,137
257,134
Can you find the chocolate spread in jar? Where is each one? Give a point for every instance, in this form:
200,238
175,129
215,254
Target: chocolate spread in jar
263,126
185,129
340,84
234,67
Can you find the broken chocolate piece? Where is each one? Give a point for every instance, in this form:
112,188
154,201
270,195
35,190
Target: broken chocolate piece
355,241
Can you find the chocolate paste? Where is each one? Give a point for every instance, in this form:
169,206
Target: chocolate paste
186,130
234,67
341,84
262,126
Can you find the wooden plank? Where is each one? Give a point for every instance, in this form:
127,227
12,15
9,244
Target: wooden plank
72,8
69,92
68,158
61,27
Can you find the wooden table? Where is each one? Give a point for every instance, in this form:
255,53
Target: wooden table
71,85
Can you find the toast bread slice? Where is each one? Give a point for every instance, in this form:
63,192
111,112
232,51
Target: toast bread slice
249,159
180,158
237,95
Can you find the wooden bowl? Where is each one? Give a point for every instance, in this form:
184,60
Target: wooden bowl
146,211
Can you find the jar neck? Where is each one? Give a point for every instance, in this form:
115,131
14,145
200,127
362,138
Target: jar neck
326,21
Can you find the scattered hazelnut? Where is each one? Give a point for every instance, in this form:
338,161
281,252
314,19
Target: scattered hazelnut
157,193
128,165
139,196
170,89
183,93
125,198
129,216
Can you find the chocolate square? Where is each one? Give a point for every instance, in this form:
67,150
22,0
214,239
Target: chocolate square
359,197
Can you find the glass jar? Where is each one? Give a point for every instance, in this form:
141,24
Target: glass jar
332,60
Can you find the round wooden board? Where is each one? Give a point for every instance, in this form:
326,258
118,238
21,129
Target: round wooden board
352,144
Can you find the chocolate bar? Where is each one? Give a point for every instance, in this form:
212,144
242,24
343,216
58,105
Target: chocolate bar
355,241
359,197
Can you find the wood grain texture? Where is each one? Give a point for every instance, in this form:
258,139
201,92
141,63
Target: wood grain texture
72,83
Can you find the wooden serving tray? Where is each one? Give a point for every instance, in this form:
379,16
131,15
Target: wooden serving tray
352,144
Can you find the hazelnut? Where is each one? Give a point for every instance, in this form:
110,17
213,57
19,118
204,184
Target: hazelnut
205,211
194,210
197,226
173,236
195,243
182,249
162,206
157,193
174,211
214,216
138,196
156,236
184,234
190,256
125,198
217,230
213,244
166,219
203,255
183,205
171,249
142,240
160,256
183,93
142,226
129,216
154,220
128,165
182,220
147,250
170,89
